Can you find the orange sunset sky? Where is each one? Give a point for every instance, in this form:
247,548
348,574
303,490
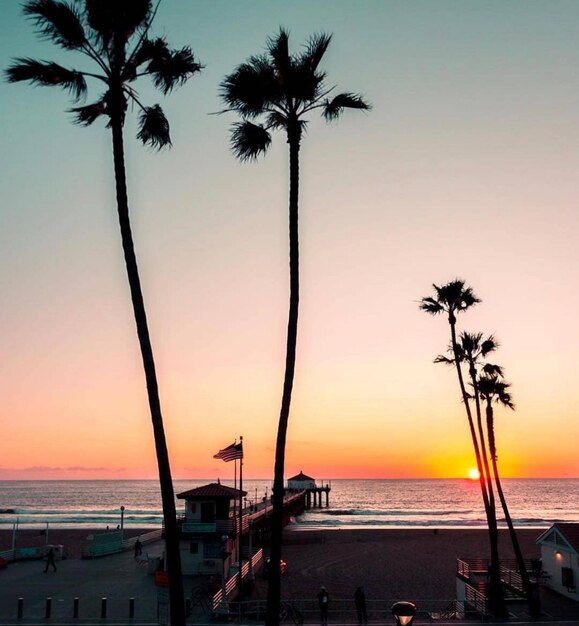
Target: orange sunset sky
466,167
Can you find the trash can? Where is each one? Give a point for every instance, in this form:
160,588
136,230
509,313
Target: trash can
404,613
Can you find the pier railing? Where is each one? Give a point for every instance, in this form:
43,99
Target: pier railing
232,583
476,599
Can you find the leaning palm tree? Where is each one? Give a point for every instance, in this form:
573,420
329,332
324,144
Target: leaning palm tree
277,91
451,299
114,36
492,388
472,349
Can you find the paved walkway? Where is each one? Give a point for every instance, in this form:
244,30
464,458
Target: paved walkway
116,577
119,577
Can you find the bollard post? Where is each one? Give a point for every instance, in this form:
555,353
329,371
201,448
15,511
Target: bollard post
20,612
48,609
131,608
103,608
75,608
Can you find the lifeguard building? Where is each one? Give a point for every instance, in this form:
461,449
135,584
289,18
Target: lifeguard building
208,529
560,558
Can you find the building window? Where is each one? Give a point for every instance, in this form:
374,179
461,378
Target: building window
194,547
567,577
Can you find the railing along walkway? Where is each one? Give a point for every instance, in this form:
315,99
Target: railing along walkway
343,611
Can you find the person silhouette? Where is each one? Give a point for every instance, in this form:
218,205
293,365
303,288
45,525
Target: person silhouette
50,560
360,602
323,602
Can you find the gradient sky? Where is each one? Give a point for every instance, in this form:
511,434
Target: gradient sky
467,166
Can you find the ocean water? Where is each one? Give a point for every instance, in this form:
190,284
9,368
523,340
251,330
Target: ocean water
449,503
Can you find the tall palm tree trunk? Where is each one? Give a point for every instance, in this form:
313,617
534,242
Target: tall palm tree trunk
177,603
531,592
274,583
482,440
496,598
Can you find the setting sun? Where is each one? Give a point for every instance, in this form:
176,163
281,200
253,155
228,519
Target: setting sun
473,474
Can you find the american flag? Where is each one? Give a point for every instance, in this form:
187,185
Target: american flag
231,453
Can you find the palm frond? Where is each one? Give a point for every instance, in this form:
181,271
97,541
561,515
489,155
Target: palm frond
444,360
304,85
490,344
276,120
148,50
86,115
491,369
430,305
335,107
154,128
503,396
173,69
251,87
454,296
107,17
278,48
57,21
47,74
249,140
315,49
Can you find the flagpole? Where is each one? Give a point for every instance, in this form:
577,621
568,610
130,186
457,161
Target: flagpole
234,484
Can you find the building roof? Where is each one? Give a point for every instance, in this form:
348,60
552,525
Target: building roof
301,476
212,490
568,530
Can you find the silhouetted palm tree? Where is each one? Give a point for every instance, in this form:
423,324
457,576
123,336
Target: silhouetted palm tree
451,299
472,349
492,388
276,91
114,35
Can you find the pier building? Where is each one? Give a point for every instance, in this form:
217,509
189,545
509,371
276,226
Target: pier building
313,492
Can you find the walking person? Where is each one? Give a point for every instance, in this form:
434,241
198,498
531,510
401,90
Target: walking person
323,602
138,548
360,602
50,560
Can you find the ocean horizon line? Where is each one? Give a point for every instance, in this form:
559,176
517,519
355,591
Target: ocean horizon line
459,478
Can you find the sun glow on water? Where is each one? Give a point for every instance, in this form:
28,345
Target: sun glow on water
473,474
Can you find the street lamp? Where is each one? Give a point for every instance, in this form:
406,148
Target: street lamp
404,613
122,516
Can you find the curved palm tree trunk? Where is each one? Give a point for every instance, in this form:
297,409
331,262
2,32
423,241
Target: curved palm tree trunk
274,583
531,592
496,598
482,440
177,603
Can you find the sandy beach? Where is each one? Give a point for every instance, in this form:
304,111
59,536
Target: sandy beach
410,563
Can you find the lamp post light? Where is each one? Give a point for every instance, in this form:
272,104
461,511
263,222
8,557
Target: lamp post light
122,517
404,613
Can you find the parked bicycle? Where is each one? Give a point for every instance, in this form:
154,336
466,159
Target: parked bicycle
289,612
